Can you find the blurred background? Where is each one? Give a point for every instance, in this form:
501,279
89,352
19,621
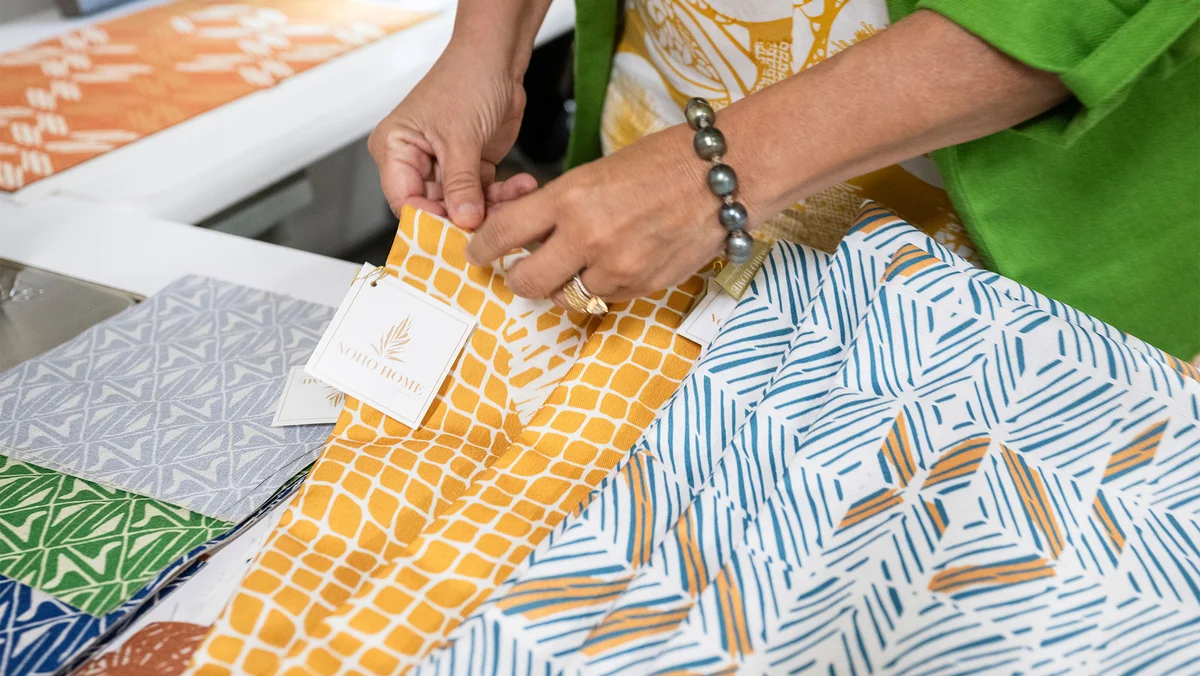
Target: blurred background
328,199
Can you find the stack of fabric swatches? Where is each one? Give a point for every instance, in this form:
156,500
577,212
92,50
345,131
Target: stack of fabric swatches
888,460
136,449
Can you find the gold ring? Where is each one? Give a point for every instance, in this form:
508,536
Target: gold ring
581,300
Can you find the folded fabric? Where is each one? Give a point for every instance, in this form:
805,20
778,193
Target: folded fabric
82,94
400,533
40,634
944,470
172,399
90,546
163,639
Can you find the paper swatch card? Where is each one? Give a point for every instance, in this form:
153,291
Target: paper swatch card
307,401
705,320
391,346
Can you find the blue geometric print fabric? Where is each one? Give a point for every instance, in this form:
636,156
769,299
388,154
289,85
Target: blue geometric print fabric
172,398
887,461
41,635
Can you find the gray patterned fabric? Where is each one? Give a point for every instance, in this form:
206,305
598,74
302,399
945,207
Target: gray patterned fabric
172,398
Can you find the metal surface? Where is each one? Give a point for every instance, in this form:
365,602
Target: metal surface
46,309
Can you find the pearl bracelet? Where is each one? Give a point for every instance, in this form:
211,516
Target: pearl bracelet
709,143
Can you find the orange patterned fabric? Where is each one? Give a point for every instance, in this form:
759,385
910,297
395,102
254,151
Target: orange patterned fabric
399,534
67,100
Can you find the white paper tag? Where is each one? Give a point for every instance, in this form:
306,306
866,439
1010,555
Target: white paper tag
706,319
307,401
390,346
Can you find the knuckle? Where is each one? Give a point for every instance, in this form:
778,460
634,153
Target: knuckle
521,283
459,181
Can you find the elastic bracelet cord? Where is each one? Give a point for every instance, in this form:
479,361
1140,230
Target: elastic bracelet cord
709,143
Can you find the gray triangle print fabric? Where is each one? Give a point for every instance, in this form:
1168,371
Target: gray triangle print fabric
172,398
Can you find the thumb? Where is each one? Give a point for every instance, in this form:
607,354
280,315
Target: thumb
461,186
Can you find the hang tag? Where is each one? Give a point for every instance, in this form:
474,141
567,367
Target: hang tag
735,279
307,401
707,318
390,346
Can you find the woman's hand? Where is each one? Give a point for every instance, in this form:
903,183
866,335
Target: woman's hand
630,224
438,149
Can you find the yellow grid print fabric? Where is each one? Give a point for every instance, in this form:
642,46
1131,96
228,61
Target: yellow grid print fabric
399,534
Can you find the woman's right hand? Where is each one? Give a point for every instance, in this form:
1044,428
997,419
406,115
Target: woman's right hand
439,148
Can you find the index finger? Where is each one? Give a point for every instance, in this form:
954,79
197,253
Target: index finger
522,221
403,173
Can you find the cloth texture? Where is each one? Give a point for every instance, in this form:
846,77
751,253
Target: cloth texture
41,634
1095,203
672,50
90,546
400,533
172,398
67,100
888,460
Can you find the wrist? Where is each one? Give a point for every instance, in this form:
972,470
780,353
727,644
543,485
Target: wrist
494,55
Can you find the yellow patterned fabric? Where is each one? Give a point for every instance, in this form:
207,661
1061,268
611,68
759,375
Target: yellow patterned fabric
724,50
399,534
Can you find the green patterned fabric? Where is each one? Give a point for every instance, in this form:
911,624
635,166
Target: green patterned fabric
90,546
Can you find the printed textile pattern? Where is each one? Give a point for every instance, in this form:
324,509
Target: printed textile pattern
672,50
41,635
172,398
400,533
67,100
887,461
92,547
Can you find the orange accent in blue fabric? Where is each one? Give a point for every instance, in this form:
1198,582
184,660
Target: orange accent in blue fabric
642,516
997,574
629,625
540,598
873,218
959,461
735,632
690,554
897,448
908,261
879,501
937,515
1034,499
1137,453
1108,521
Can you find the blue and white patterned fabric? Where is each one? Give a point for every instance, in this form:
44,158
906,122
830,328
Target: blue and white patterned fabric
41,635
887,461
172,399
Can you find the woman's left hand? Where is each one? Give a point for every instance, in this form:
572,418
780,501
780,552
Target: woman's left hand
630,224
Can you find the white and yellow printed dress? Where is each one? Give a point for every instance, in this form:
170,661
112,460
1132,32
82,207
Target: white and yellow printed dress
724,50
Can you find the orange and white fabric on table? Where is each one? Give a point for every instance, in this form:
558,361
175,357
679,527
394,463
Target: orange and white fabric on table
398,533
75,97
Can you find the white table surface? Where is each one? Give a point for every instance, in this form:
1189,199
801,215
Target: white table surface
199,167
143,254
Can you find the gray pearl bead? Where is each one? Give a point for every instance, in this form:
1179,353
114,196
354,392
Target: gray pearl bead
732,216
722,180
709,143
699,114
738,247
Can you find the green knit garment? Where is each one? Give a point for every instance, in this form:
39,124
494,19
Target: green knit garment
1095,203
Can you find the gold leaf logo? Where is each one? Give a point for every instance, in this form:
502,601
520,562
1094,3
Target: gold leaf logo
393,344
336,398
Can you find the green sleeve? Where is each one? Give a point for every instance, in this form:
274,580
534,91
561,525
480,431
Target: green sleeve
596,28
1099,48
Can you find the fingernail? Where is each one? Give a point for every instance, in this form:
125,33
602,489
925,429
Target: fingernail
469,211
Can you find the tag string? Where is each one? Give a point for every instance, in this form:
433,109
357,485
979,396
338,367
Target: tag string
375,274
